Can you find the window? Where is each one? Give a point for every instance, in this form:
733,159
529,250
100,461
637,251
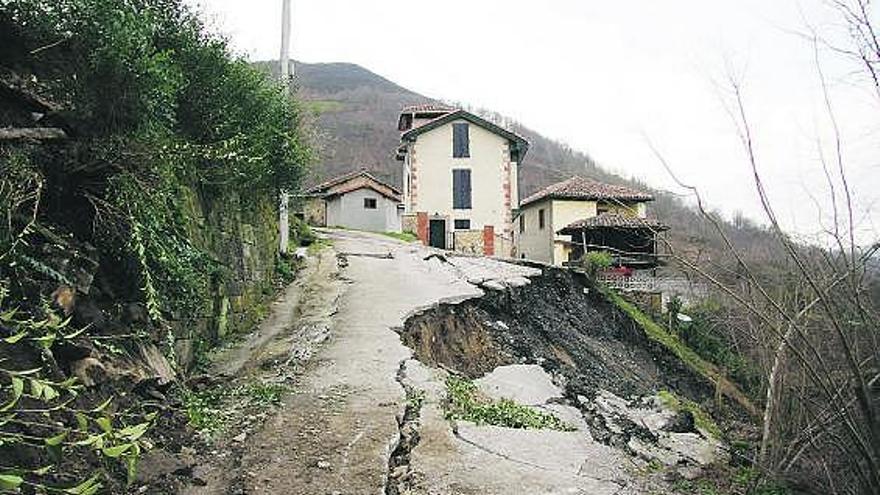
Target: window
461,189
522,223
541,218
369,203
462,224
461,146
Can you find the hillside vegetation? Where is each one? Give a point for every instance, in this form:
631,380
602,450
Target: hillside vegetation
137,237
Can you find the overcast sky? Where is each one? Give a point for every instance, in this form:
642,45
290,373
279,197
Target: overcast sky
608,78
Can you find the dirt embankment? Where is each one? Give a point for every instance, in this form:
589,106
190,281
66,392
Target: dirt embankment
559,322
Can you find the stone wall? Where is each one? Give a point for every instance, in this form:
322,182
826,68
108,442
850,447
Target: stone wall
314,211
409,223
243,237
468,241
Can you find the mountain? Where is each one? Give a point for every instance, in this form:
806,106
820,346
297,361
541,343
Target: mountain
355,115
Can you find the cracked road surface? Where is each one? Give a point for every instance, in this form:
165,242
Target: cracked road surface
337,430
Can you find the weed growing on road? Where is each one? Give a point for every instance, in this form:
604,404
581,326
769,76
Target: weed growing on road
211,411
402,236
319,244
464,402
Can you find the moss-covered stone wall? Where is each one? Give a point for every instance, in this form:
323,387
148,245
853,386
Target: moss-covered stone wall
242,237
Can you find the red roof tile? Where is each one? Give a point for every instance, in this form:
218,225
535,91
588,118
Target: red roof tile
613,220
588,190
428,108
324,186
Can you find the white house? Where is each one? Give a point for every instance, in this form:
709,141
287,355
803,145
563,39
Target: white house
459,178
564,220
357,200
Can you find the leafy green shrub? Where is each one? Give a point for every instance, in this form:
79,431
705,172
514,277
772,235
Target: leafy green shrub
46,425
705,335
596,261
303,233
163,112
465,403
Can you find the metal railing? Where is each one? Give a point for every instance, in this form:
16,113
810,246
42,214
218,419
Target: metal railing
637,282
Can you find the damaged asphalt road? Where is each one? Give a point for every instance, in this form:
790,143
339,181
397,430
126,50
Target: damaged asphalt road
365,415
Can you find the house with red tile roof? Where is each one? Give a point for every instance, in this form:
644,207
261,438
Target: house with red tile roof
357,200
460,175
563,221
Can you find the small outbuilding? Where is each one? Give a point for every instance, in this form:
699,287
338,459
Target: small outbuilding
357,200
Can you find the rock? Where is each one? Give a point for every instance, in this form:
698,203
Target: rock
692,447
683,422
89,371
135,313
518,281
526,384
492,285
240,437
158,463
64,297
184,353
322,464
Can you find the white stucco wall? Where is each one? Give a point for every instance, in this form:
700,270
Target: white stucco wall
347,210
534,243
639,210
545,245
434,165
565,212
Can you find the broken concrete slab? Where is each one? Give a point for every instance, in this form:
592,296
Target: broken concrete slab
526,384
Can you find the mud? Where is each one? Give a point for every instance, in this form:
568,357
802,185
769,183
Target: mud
559,322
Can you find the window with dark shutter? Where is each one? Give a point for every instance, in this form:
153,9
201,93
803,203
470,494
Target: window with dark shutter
541,218
462,224
522,223
461,146
461,189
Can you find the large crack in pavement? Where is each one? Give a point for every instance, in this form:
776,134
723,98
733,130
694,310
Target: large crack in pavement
399,480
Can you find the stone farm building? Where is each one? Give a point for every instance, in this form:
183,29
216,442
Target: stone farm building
357,200
459,179
561,222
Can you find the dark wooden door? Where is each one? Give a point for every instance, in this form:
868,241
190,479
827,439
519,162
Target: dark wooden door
437,234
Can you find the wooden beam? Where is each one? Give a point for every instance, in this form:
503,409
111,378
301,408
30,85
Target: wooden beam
36,133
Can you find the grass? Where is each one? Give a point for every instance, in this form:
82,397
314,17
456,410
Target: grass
212,410
745,481
402,236
465,403
701,419
319,244
324,106
684,353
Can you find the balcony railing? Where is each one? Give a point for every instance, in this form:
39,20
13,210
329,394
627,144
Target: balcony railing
640,282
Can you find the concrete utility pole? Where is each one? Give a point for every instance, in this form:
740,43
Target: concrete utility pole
283,214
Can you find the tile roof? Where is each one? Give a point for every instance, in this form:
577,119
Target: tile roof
613,220
522,146
324,186
428,108
587,189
